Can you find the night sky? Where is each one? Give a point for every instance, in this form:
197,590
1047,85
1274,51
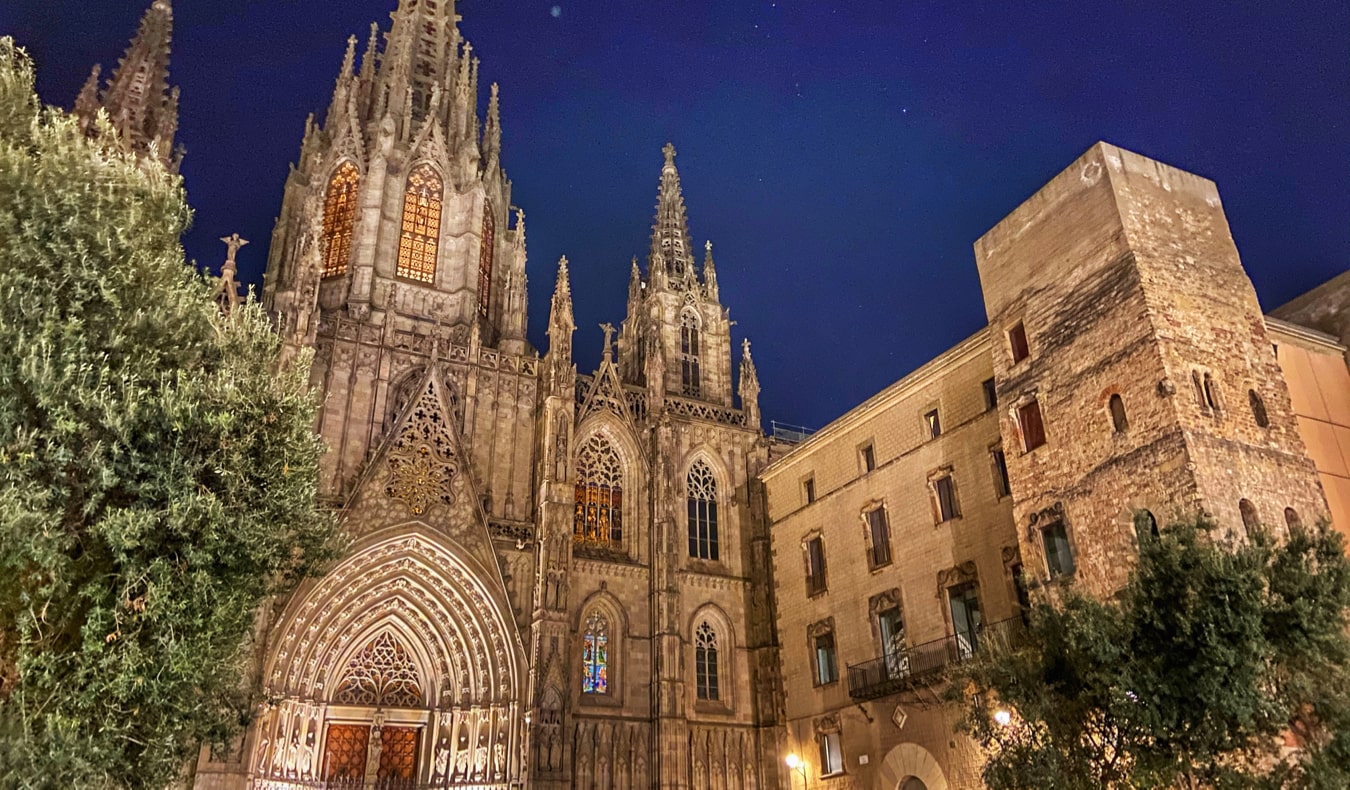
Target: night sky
843,157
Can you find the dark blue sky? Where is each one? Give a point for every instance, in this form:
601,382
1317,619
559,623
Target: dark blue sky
843,157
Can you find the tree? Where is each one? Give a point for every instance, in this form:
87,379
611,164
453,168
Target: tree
158,466
1199,673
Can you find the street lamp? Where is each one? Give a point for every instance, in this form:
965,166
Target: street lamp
1003,717
795,763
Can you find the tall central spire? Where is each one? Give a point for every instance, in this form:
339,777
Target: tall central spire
422,42
670,231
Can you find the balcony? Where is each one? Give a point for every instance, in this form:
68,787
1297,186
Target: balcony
922,663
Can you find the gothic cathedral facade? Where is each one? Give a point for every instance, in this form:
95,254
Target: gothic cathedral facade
555,580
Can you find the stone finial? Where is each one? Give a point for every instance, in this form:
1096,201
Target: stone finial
609,330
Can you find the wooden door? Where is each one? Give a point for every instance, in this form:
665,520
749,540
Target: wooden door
344,754
398,758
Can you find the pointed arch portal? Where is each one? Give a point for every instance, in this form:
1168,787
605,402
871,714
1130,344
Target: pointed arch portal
397,669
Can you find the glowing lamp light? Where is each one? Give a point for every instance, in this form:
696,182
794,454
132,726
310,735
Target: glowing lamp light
1002,717
793,761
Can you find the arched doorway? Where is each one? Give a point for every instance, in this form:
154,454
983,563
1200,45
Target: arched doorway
913,783
909,766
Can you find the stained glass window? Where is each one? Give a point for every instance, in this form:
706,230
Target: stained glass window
339,216
599,494
702,500
595,656
485,261
705,662
383,674
420,237
689,363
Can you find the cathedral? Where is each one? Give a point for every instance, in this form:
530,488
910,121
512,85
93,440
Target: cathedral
559,579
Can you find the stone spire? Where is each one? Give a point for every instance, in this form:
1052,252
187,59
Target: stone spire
86,104
492,132
560,321
137,99
749,386
670,232
343,84
419,51
709,273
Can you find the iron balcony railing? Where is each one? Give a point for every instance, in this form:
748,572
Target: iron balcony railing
911,666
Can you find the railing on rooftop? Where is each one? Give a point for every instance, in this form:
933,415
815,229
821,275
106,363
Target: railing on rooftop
915,665
792,434
354,784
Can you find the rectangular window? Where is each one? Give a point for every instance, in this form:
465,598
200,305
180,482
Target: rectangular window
967,621
891,630
831,758
879,530
809,489
1058,556
1001,485
1033,429
933,424
1017,343
990,394
946,498
827,670
815,566
868,457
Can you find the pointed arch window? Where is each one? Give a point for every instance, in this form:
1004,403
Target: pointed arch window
419,239
595,655
706,662
690,384
599,494
485,260
339,218
382,675
702,500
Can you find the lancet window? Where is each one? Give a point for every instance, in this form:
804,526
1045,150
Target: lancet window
595,656
690,383
485,261
420,236
705,662
383,674
599,494
702,500
339,217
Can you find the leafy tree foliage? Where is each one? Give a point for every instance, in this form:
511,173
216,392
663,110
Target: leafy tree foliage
158,466
1200,673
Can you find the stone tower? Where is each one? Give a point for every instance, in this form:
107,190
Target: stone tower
1133,368
140,105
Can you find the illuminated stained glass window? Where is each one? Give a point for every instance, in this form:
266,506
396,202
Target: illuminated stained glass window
339,217
599,494
702,501
485,261
595,656
417,243
384,675
705,662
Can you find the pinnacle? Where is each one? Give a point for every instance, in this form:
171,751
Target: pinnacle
670,232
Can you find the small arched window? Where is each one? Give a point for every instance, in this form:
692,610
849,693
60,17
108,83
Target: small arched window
1250,519
339,217
1291,518
595,655
706,662
1119,423
1145,525
702,500
599,494
1211,393
1258,409
690,383
485,260
419,238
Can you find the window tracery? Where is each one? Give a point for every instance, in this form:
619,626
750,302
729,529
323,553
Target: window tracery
599,493
420,237
339,217
690,384
595,655
382,675
702,501
706,662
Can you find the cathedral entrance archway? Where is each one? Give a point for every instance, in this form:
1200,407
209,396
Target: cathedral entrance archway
909,766
398,669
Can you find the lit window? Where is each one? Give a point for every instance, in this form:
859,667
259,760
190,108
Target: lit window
595,656
599,494
1058,556
419,239
831,758
1033,429
705,662
339,217
702,501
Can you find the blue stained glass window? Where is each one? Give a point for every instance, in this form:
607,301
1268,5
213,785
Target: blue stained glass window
595,656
